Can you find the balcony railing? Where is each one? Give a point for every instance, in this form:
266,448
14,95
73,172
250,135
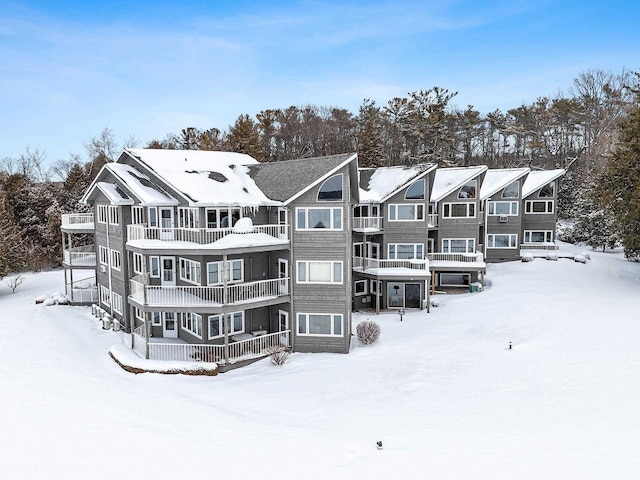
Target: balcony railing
367,223
197,296
379,263
475,257
201,236
84,256
539,246
77,220
432,218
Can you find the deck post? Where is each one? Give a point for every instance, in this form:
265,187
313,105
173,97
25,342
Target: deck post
225,320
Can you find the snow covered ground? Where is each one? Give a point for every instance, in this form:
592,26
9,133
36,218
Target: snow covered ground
442,391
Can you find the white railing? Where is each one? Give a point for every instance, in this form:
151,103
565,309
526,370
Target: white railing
76,219
539,246
201,236
432,219
187,296
414,264
249,291
367,223
185,352
82,295
456,257
80,256
139,341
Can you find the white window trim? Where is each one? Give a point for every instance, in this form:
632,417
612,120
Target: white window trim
318,199
220,319
365,291
450,204
491,240
512,204
153,259
332,213
137,261
468,241
117,303
229,271
333,319
190,271
332,267
189,323
102,213
103,254
137,215
188,217
114,215
138,313
105,296
156,321
527,233
416,212
116,259
415,249
424,188
528,208
375,286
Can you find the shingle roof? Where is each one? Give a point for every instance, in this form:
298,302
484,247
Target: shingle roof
282,180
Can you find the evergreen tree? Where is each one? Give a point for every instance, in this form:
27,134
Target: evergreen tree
370,150
244,137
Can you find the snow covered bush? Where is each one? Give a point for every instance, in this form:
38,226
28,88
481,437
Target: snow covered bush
278,354
527,257
368,332
580,259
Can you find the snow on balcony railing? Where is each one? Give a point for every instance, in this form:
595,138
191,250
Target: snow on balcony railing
202,236
414,264
84,256
191,296
456,257
71,219
367,223
185,352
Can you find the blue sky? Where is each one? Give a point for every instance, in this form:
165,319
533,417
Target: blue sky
69,69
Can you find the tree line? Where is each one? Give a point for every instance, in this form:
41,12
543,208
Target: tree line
583,130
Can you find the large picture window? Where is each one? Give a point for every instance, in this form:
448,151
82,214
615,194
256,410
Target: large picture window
502,241
319,272
190,271
538,206
459,210
319,218
191,322
235,321
458,245
503,208
215,272
538,236
405,251
406,212
331,189
320,324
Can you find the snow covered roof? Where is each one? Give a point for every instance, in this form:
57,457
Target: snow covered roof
114,194
378,184
140,185
538,179
496,179
205,177
448,180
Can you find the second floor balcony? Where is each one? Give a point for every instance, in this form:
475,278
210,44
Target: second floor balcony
81,222
209,297
367,224
389,267
84,256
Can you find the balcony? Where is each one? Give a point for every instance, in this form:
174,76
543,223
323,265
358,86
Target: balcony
432,219
367,224
208,296
211,238
84,256
457,261
81,222
382,267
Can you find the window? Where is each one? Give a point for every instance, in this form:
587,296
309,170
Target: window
375,286
116,260
315,217
331,190
223,217
191,322
117,303
319,272
139,314
415,191
215,271
235,322
455,279
502,241
459,210
104,255
154,272
512,190
105,296
137,215
366,211
360,288
538,206
153,216
458,245
503,208
190,271
548,190
138,263
542,236
114,216
406,212
156,319
469,190
405,251
371,251
320,324
188,218
102,213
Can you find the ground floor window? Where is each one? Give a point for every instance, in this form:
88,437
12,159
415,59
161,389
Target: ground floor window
502,240
235,322
453,279
105,296
320,324
360,287
191,322
534,236
117,303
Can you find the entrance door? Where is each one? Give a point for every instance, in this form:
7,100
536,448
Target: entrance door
169,325
283,221
412,295
283,326
168,273
283,275
166,223
403,295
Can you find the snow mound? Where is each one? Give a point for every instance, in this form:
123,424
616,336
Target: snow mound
580,259
527,257
243,225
